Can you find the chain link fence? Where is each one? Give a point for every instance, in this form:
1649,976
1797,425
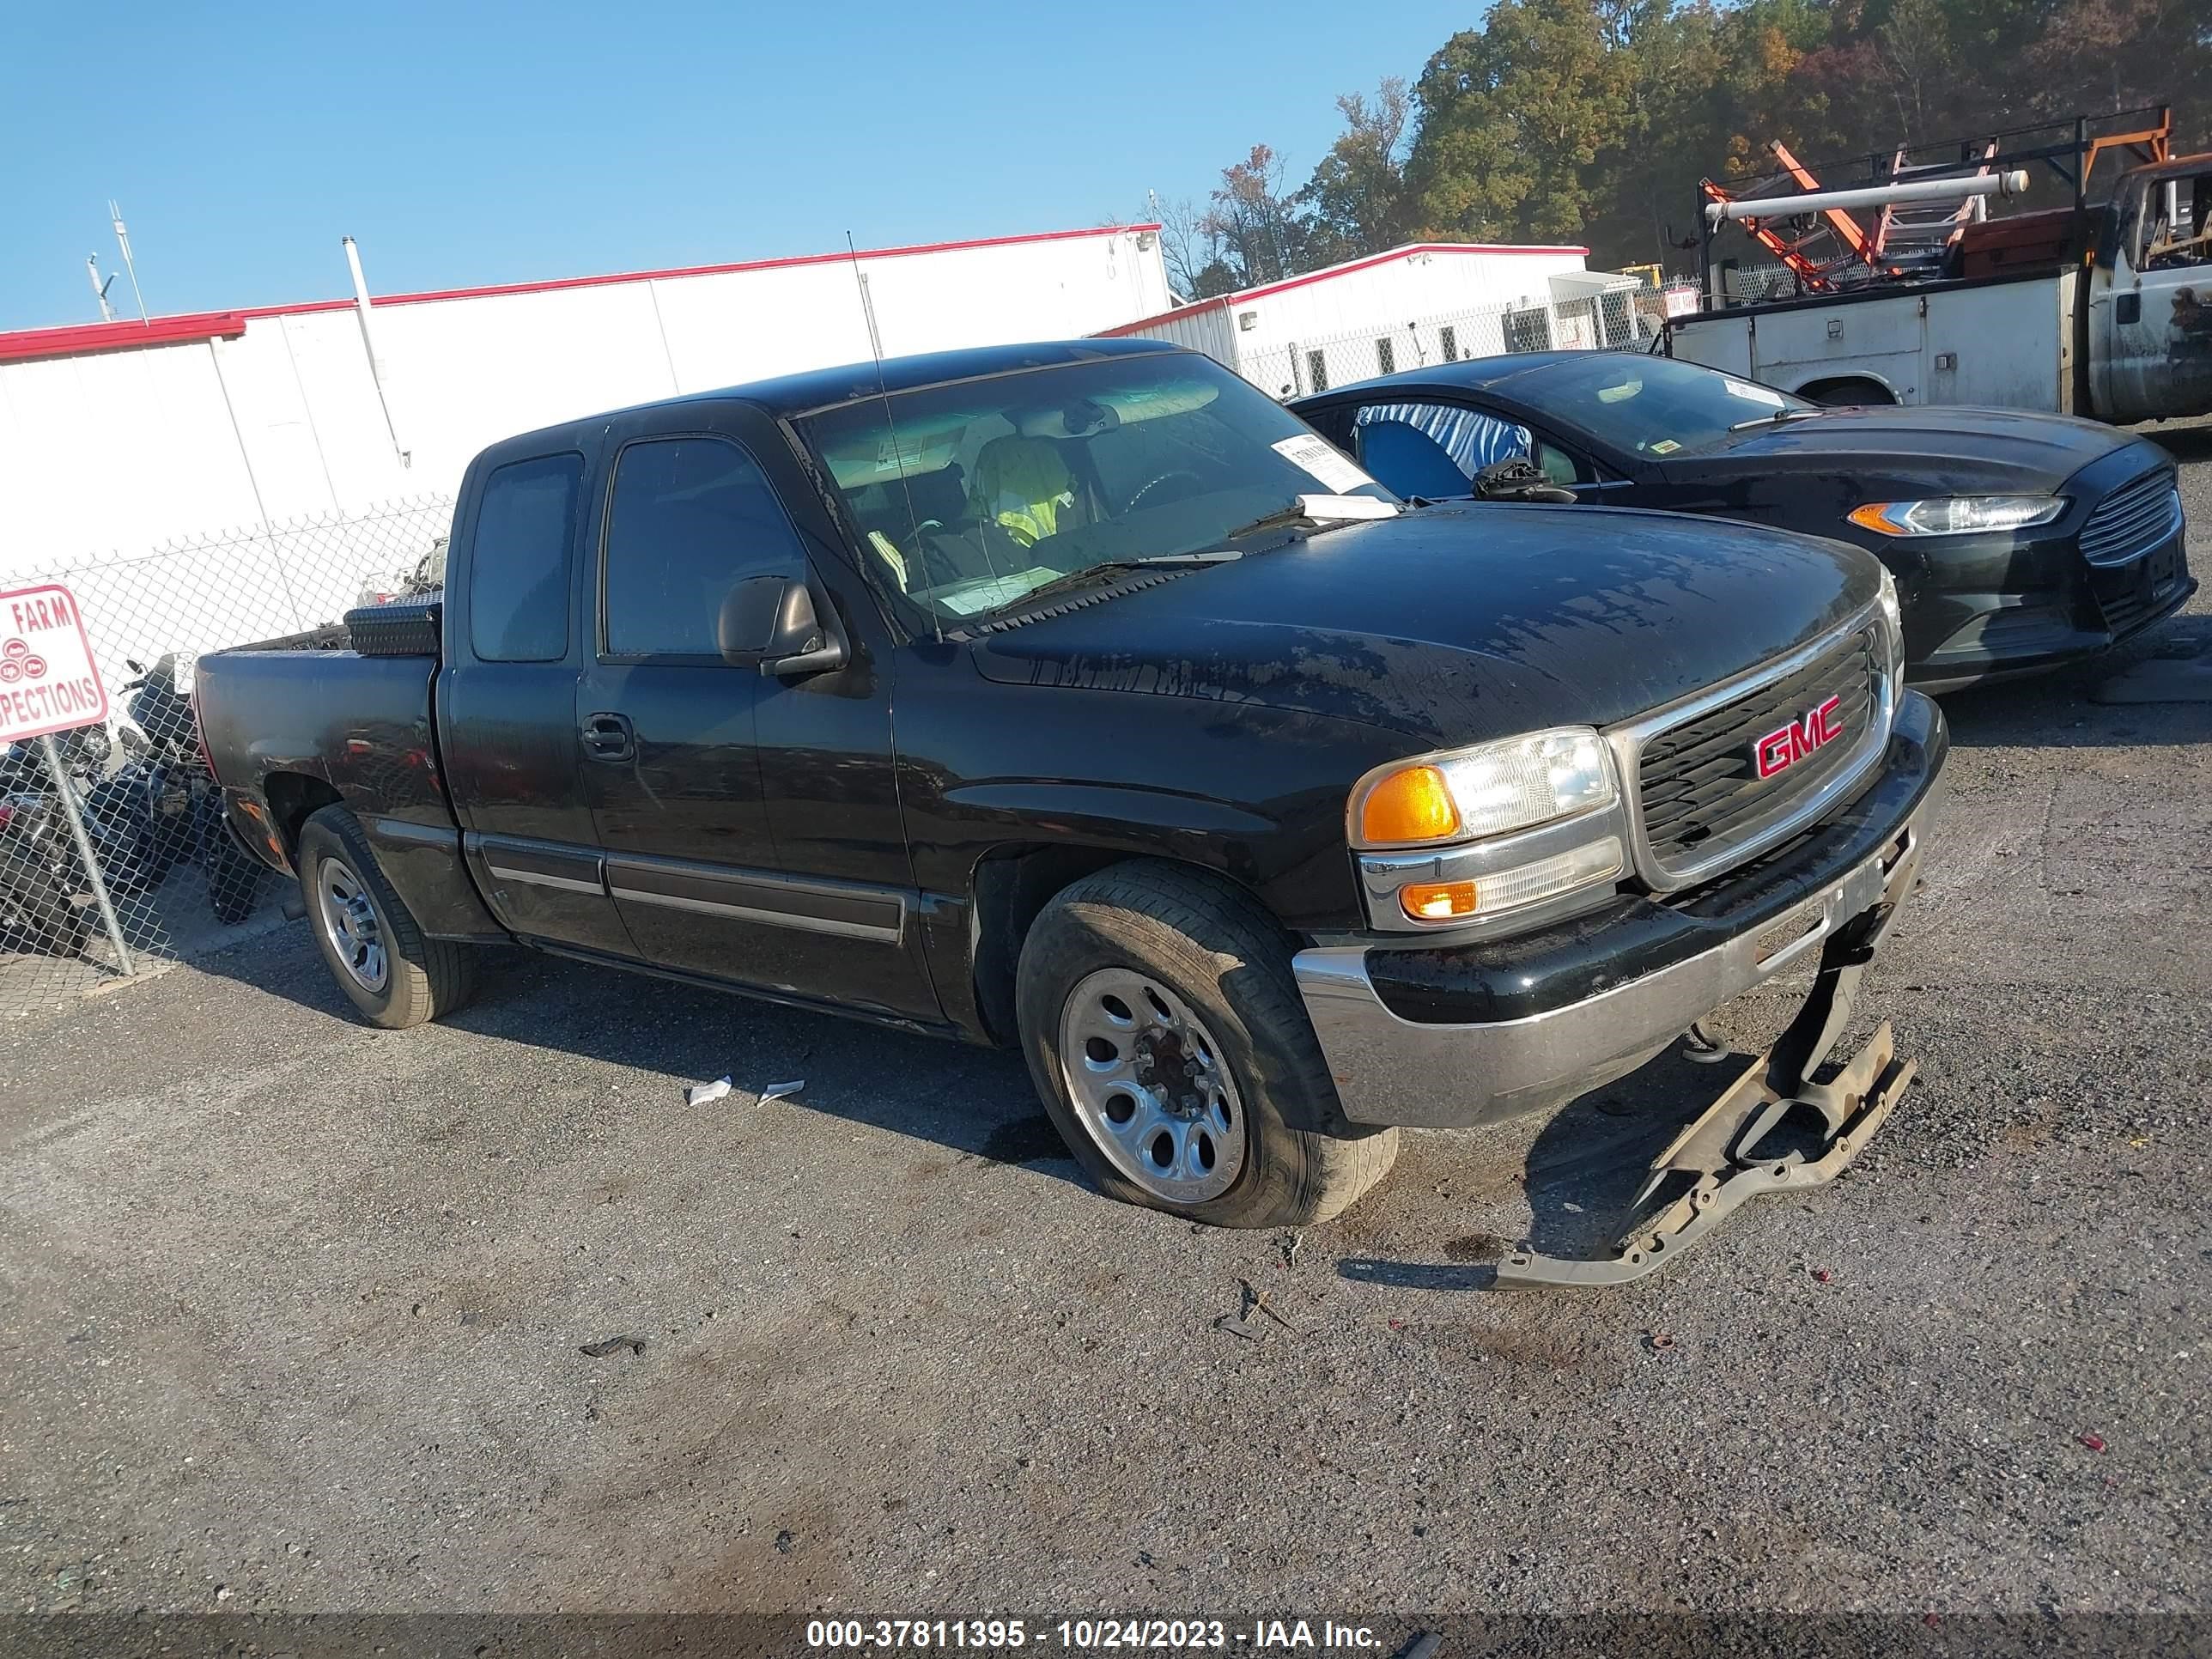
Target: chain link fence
1743,285
1624,320
113,862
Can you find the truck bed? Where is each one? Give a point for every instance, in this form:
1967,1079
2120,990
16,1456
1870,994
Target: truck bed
361,725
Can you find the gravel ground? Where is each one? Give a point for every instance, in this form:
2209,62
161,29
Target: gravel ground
292,1309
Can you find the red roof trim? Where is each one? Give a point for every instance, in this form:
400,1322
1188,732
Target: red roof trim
30,343
229,325
1327,273
559,284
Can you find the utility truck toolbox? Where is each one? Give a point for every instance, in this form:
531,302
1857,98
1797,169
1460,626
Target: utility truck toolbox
1944,277
1080,698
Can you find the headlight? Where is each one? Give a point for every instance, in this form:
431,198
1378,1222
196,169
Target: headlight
1515,885
1490,789
1957,515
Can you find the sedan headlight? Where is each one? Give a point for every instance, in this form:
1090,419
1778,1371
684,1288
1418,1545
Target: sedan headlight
1465,835
1957,515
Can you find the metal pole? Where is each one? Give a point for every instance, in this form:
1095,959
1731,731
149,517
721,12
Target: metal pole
99,287
2013,183
362,308
123,241
62,788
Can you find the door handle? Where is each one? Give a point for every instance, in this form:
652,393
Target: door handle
2127,309
610,738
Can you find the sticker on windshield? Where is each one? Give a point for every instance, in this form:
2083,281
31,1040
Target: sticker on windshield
1320,459
1753,394
1664,446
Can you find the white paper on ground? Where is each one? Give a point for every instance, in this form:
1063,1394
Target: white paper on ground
778,1091
701,1093
1320,459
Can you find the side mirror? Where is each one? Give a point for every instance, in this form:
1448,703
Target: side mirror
770,623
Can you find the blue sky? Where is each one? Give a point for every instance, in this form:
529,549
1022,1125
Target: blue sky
464,145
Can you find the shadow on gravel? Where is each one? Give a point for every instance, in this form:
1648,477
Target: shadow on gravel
973,1101
2055,710
2185,444
1585,1165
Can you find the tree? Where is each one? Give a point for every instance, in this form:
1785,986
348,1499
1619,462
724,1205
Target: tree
1593,120
1513,117
1190,246
1261,237
1357,201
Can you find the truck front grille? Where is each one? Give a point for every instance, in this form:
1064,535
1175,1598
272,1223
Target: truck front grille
1704,803
2139,515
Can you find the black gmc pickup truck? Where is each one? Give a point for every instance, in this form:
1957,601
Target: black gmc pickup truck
1080,696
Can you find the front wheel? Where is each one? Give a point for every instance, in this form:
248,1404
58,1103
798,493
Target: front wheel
1165,1034
369,939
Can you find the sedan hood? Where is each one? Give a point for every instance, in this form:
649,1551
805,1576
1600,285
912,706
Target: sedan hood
1950,451
1456,622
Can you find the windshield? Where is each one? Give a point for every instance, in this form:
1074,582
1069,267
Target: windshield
1655,405
969,496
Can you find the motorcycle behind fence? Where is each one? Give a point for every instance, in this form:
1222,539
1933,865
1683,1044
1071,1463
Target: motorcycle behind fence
159,807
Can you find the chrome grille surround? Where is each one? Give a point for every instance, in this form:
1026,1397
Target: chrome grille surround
2133,518
1792,810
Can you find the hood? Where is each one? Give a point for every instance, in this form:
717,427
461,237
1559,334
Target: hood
1456,623
1953,451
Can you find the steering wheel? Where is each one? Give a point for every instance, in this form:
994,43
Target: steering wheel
1144,489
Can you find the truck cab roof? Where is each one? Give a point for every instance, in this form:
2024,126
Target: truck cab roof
789,396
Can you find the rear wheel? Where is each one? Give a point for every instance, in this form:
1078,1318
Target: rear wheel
1165,1034
394,975
1856,393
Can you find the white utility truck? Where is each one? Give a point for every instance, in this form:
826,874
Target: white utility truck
1909,291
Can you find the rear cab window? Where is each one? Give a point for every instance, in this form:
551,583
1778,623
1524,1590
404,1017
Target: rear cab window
519,570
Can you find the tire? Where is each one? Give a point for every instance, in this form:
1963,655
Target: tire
1216,1069
1851,394
35,912
388,968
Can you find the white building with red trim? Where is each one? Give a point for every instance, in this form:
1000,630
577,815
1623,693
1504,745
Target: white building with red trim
122,436
1422,303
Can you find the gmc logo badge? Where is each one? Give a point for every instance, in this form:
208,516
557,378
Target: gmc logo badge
1783,747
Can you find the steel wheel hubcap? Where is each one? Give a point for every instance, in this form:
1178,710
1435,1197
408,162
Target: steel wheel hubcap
349,924
1150,1087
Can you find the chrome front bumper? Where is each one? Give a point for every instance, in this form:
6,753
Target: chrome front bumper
1392,1069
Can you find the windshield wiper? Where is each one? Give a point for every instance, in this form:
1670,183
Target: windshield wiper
1082,577
1294,513
1778,418
1301,509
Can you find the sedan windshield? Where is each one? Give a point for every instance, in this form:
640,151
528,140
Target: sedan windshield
970,497
1654,405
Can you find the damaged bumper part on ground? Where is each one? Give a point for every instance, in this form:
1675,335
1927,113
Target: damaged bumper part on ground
1455,1036
1722,1154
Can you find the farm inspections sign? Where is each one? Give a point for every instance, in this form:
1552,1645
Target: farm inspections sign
48,682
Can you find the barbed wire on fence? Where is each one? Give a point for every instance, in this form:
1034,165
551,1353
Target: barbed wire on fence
152,878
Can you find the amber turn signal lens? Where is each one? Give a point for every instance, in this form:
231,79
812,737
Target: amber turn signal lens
1414,805
1437,900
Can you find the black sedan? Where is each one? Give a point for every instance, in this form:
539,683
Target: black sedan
2019,541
